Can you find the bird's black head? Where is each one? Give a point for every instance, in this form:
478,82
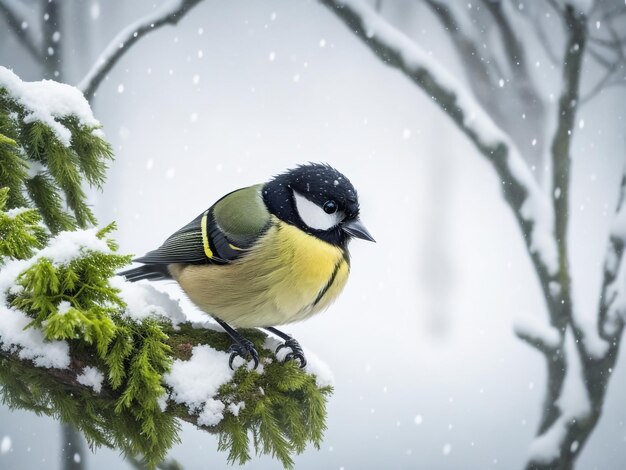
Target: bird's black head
319,200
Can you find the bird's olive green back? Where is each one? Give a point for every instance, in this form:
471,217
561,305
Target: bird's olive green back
242,215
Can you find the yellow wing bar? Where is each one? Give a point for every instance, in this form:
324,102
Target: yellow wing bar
205,236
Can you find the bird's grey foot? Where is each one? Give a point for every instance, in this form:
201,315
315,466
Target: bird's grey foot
244,349
296,352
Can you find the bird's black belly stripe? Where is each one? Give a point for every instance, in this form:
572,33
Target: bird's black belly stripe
331,279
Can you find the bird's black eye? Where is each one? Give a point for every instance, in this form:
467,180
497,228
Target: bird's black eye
330,207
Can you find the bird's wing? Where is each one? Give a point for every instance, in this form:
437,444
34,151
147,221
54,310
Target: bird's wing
219,235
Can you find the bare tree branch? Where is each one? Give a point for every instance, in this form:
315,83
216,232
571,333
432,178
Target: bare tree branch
15,21
546,43
170,13
561,158
603,83
469,55
514,51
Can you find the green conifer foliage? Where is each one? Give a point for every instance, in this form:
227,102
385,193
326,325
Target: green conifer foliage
69,298
40,169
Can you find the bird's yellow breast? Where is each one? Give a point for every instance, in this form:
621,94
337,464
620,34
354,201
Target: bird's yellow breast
287,276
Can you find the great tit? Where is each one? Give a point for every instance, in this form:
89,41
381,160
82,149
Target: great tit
265,255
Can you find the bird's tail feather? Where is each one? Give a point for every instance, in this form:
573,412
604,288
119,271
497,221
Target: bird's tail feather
151,272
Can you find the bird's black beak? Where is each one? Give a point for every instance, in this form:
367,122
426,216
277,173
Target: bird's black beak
355,228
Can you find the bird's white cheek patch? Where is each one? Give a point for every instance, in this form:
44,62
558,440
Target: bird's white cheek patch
313,215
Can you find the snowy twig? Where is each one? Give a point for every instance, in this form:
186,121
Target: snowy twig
613,297
535,21
470,56
514,51
612,75
18,24
170,13
543,337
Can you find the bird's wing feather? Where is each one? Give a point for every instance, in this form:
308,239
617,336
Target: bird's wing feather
219,235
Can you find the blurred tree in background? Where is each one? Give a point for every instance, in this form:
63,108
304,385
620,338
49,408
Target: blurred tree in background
528,140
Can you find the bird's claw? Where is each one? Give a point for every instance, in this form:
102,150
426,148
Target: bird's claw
243,349
296,352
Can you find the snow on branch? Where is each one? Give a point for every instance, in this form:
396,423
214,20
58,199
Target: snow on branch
170,13
613,298
531,208
74,348
541,336
49,102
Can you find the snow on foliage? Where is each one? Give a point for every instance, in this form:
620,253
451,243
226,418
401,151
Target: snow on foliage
48,101
30,343
315,366
91,377
196,382
144,301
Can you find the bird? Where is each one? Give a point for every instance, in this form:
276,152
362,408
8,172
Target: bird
264,255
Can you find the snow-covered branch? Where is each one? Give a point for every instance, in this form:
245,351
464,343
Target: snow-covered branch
530,206
543,337
170,13
18,23
613,298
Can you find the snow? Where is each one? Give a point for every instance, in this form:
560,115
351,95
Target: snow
212,413
5,445
536,208
91,377
195,382
235,408
47,101
143,301
315,366
67,246
542,332
618,228
30,343
574,405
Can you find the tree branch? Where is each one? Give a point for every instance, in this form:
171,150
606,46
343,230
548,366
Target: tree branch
610,322
561,158
15,21
481,82
530,207
297,406
513,49
170,13
544,338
